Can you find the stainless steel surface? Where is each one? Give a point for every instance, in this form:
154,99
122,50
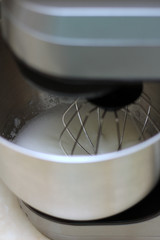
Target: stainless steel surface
56,230
94,39
82,187
89,126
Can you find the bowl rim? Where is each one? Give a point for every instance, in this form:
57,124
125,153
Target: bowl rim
77,159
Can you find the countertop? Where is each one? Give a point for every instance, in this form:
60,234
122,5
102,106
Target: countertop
14,224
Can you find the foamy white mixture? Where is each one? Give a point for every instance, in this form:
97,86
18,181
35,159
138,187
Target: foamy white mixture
43,132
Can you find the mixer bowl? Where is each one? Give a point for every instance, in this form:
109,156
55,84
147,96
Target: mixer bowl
77,187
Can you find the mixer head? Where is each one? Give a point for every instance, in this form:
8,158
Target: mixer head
95,49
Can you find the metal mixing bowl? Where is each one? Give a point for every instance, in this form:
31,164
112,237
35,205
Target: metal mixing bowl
78,187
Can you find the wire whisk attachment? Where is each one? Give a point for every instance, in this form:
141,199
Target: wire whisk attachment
90,130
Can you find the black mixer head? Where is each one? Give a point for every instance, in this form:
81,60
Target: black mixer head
120,95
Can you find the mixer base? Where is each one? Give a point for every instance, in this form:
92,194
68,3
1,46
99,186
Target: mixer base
140,222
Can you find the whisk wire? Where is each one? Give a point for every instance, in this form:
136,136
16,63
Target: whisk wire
81,128
98,115
66,125
123,128
148,116
117,127
101,120
146,121
148,100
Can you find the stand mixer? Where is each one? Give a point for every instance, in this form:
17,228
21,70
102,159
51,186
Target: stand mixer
103,55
